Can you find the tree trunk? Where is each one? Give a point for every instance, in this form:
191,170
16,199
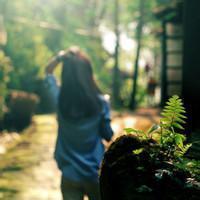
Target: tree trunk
116,72
133,102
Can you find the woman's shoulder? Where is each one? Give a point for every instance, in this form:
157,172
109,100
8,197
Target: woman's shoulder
105,98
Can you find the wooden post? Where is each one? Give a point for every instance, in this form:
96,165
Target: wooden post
191,62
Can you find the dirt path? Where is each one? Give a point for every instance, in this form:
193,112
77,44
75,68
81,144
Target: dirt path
27,169
141,119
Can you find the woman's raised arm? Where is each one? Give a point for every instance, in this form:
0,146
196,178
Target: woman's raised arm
54,62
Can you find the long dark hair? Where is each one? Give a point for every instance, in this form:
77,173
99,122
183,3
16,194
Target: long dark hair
79,93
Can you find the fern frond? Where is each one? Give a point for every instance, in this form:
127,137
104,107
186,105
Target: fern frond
173,113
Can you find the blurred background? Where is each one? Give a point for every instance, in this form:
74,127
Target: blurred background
31,32
142,53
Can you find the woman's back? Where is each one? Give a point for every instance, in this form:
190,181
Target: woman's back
83,121
79,148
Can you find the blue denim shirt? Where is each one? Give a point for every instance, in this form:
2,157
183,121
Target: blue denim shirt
79,148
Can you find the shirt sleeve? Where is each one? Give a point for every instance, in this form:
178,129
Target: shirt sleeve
52,89
105,127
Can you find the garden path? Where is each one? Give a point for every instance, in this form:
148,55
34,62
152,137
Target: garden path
27,169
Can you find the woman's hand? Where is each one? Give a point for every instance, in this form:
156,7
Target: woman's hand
61,54
55,61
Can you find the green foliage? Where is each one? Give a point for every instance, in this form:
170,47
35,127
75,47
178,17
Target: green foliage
139,133
5,68
170,126
138,151
191,165
169,142
167,133
28,55
173,114
39,29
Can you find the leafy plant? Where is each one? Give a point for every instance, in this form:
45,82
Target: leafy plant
171,124
167,133
152,163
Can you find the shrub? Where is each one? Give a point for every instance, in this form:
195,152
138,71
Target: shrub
21,107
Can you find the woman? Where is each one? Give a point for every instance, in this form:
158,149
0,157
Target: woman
83,121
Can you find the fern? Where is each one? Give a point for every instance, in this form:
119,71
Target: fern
170,126
168,132
173,114
170,142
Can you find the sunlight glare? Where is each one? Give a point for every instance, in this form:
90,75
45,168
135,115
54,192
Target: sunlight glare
129,122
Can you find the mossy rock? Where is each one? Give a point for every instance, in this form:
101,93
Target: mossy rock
126,175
